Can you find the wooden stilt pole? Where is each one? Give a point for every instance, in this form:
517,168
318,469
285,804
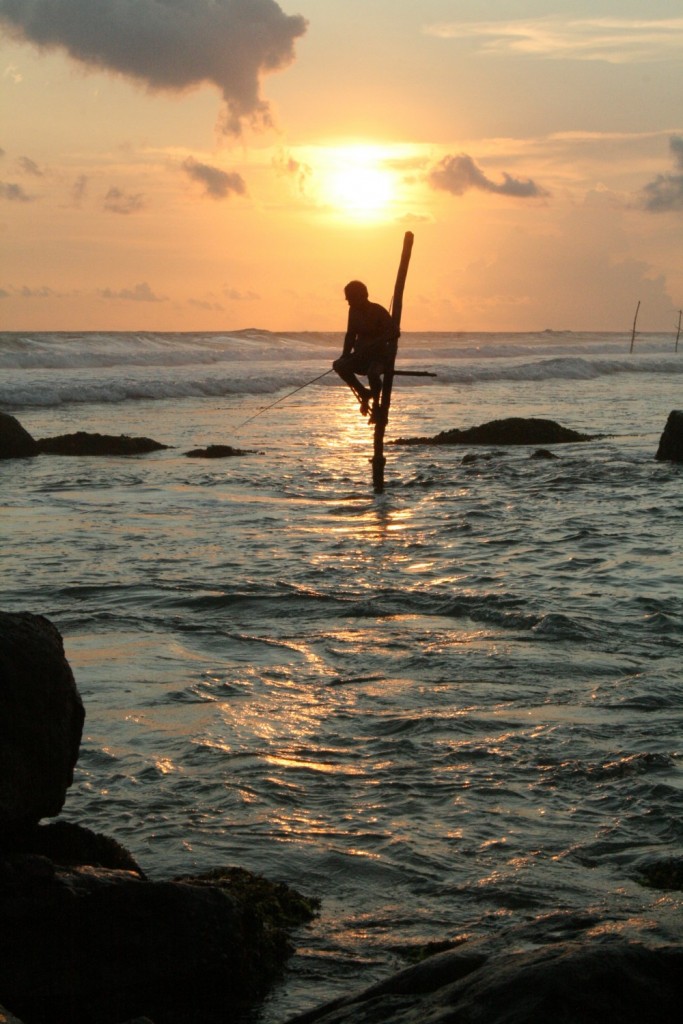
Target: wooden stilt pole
378,459
678,332
633,332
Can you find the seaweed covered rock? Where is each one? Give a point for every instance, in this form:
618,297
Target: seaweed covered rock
15,441
41,721
671,442
516,430
82,443
577,970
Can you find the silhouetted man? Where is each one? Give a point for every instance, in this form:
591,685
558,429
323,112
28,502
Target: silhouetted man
367,346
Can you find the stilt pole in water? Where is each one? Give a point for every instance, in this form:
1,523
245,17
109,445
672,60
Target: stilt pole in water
378,459
633,332
678,332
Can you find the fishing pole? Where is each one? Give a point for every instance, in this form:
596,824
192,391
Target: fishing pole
267,407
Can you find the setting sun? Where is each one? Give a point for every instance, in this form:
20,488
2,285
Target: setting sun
357,182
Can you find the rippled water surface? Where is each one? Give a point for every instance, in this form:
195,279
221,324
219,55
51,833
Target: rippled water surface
436,709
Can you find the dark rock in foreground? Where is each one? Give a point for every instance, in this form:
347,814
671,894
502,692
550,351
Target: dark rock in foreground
85,937
15,442
41,720
561,970
82,443
516,430
86,945
671,442
217,451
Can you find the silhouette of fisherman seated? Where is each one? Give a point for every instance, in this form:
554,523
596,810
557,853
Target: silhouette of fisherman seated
369,345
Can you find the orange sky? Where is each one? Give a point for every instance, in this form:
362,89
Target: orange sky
233,164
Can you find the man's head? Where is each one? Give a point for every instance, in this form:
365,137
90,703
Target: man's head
356,292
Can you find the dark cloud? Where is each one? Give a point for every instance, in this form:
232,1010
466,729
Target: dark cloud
460,174
217,183
14,193
665,193
140,293
170,44
117,201
29,166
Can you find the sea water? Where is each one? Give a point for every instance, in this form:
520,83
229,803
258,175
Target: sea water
441,710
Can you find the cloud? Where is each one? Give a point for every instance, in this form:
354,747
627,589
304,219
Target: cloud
665,193
217,183
170,44
288,166
140,293
615,40
79,189
29,166
117,201
460,174
14,193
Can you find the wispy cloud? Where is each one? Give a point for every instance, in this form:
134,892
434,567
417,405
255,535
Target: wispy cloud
615,40
218,184
665,193
460,174
79,189
118,201
139,293
170,44
29,166
14,193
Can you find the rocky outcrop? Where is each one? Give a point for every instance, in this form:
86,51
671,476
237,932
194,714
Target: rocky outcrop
671,442
217,451
564,968
85,937
41,720
15,442
516,430
82,443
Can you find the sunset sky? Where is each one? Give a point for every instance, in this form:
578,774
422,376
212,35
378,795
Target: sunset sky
221,164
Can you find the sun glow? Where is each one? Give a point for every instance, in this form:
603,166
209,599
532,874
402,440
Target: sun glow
357,181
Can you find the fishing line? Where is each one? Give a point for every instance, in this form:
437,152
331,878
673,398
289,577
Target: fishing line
267,407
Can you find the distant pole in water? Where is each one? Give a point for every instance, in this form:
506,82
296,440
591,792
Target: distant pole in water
633,332
378,459
678,332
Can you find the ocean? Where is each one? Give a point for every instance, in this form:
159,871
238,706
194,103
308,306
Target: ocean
441,710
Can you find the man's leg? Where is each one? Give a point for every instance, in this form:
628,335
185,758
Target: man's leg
344,367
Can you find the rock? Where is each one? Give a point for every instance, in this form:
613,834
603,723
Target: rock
15,442
7,1018
560,969
513,431
41,720
671,442
70,845
96,946
216,451
543,453
82,443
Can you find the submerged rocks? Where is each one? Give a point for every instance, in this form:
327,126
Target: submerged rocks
577,970
41,720
82,443
15,442
86,938
516,430
671,442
